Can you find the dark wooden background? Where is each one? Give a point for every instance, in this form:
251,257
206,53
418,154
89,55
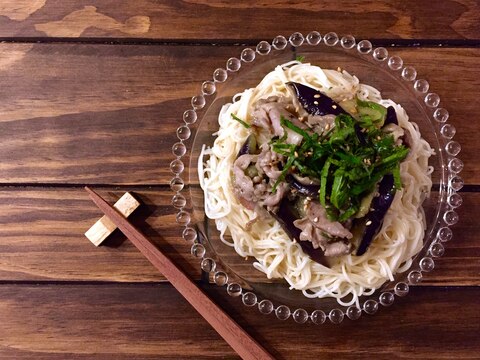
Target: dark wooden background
91,92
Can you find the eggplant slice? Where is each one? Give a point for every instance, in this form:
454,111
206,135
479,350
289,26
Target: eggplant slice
249,146
391,116
369,226
307,190
315,102
285,217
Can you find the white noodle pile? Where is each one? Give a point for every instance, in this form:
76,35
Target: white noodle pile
277,256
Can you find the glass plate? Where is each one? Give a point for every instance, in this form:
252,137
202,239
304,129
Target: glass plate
372,66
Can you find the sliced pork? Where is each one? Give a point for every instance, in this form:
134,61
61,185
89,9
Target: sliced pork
321,124
243,184
316,213
328,235
268,162
268,113
318,238
274,199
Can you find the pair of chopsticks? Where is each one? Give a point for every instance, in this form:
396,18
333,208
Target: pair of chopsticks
232,333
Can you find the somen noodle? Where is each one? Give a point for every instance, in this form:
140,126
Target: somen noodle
348,277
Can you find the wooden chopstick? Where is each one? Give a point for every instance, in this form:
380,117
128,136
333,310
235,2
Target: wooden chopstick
232,333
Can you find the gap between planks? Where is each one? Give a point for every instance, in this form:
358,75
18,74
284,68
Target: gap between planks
426,43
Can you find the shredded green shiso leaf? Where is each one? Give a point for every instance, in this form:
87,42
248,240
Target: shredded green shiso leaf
235,117
300,58
348,160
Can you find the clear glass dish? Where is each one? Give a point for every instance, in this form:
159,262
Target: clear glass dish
372,66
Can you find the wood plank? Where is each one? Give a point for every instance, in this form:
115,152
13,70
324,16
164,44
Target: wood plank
45,232
42,239
154,322
166,20
107,114
452,89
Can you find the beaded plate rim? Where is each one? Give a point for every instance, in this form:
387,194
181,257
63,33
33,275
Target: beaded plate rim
444,131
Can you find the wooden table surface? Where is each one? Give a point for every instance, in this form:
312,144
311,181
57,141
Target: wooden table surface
91,92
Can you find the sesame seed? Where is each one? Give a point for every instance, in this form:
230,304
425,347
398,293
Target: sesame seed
315,102
296,154
315,220
327,126
369,222
316,96
334,106
339,68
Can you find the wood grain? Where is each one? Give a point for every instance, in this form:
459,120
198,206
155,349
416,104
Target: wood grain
133,108
46,242
219,20
154,322
104,114
120,130
240,341
78,107
42,239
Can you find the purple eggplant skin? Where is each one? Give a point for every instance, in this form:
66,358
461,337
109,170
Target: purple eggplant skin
371,223
286,216
249,146
315,102
391,117
307,190
322,105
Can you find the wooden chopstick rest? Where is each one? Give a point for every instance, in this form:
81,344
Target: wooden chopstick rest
104,226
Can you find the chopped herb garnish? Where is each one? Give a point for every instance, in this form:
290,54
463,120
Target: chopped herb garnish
347,167
348,214
285,170
291,126
300,58
397,181
235,117
323,182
